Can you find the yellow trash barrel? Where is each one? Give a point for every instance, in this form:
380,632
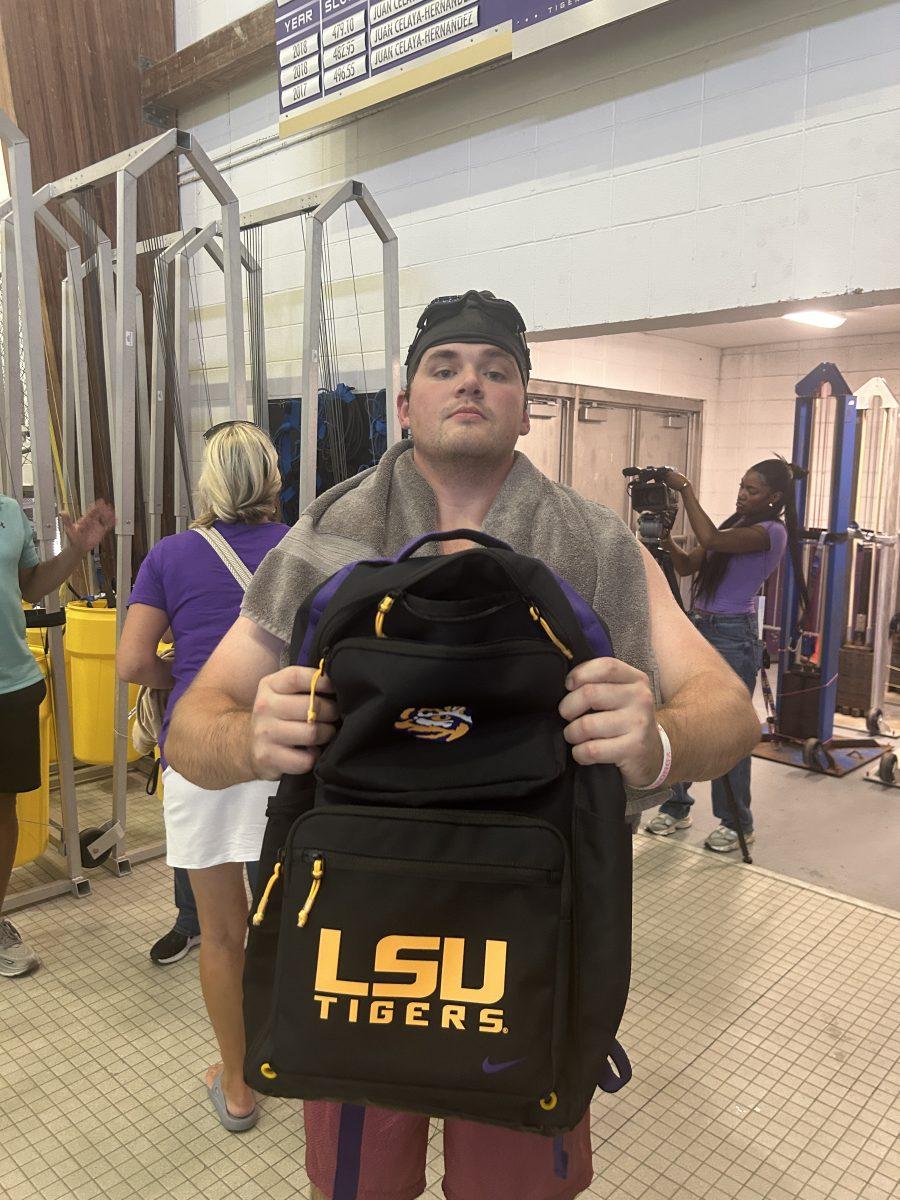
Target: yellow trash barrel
33,808
91,643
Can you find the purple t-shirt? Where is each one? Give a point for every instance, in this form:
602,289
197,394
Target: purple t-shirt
183,576
745,575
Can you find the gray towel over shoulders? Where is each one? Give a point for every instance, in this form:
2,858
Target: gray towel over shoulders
377,512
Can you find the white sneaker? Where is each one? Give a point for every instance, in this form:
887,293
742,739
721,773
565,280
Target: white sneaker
664,823
15,957
724,839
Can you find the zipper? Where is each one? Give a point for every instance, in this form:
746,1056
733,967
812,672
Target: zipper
435,816
384,607
387,603
318,874
277,872
317,675
476,872
535,614
439,650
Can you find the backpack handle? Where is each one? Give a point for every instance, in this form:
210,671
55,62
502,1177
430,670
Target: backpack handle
449,535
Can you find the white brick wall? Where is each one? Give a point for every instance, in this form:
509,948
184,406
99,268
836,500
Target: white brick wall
637,362
697,158
680,113
753,415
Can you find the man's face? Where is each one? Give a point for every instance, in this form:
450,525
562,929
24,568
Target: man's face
465,401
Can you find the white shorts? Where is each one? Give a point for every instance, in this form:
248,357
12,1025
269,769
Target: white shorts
204,828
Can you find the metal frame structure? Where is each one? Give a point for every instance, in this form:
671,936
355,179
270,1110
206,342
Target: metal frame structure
350,192
154,480
825,426
129,392
182,251
125,169
26,300
877,515
822,385
102,262
316,208
12,411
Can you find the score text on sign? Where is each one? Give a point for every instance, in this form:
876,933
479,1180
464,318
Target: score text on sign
346,27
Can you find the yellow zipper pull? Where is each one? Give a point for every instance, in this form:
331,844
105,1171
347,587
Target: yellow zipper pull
318,870
536,616
264,899
383,609
317,675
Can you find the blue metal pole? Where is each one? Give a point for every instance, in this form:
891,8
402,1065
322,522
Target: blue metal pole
842,471
803,418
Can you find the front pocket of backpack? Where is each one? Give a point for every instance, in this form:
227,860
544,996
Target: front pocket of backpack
424,950
479,720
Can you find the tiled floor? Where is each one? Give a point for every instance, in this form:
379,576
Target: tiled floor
763,1024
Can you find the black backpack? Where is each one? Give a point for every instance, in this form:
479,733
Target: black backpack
446,926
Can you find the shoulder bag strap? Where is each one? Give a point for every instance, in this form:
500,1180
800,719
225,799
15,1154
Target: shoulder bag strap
227,555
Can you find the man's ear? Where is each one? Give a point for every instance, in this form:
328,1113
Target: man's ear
403,408
525,427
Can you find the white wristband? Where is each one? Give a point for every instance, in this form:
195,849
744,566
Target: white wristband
666,763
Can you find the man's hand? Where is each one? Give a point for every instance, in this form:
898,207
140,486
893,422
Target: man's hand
88,532
282,739
612,719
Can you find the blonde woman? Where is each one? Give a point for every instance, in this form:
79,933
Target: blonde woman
191,583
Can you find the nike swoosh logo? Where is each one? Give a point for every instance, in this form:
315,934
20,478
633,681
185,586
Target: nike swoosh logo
490,1068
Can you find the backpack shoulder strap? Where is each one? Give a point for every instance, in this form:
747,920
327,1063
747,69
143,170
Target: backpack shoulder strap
227,555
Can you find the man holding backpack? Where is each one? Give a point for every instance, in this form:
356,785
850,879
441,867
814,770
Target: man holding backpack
665,709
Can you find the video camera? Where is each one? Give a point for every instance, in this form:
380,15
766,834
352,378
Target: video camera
653,500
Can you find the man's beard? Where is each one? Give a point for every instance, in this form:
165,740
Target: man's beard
461,453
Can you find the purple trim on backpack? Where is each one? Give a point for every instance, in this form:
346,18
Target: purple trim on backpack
349,1152
609,1081
594,633
323,596
560,1158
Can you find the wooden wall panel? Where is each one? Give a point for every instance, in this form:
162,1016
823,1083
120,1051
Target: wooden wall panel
70,77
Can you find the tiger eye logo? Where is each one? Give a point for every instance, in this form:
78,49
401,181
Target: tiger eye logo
435,724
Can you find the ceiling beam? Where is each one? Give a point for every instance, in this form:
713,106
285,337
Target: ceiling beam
210,65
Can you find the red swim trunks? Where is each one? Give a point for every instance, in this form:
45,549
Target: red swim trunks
356,1153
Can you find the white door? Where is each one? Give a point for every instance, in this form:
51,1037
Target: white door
600,449
663,442
543,444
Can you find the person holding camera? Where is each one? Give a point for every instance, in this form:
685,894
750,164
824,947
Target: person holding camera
729,567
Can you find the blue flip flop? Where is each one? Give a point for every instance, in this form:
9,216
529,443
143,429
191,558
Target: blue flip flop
231,1123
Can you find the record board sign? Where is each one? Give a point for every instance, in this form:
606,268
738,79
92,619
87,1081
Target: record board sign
338,57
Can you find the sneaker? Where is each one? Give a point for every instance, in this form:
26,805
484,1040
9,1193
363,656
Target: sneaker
724,839
15,957
664,823
174,946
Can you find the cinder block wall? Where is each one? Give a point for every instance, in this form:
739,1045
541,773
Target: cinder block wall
753,414
696,158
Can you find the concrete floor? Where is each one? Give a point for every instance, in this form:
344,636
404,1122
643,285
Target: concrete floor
840,834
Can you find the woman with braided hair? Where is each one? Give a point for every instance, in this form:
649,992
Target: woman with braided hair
729,567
